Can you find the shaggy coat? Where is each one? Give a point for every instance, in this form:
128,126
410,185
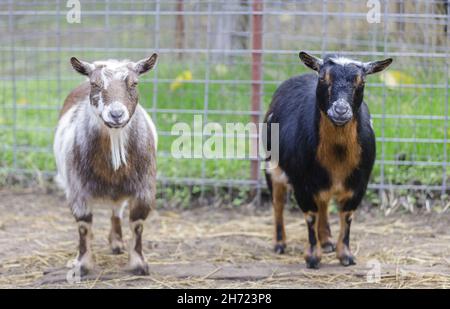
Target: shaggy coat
105,146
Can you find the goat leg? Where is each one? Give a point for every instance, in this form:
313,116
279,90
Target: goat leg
313,253
278,201
115,234
138,213
343,252
324,229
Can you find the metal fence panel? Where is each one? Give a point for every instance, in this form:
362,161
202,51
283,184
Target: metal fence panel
216,61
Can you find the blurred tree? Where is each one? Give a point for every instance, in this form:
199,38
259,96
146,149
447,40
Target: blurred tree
179,28
400,8
232,31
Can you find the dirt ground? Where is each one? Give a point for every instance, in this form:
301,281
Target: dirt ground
219,248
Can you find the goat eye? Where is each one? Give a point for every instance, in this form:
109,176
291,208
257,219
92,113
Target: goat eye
133,84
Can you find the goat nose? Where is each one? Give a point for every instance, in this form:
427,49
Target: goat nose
116,114
341,109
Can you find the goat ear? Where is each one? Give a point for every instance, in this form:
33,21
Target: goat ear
145,65
376,66
82,67
311,61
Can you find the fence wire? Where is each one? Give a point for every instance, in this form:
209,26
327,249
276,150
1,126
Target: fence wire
223,60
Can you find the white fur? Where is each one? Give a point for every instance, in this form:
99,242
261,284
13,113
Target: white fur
87,260
71,130
105,79
278,175
345,61
135,260
66,134
100,104
79,210
113,69
89,65
112,64
119,140
63,145
105,112
150,123
119,208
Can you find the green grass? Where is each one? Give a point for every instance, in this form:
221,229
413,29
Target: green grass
34,124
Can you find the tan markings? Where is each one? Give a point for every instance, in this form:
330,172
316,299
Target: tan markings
76,96
322,200
358,80
115,235
324,227
313,251
277,174
279,189
339,192
345,137
338,167
342,249
327,76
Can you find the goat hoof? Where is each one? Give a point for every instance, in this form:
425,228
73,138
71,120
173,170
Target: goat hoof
279,248
117,250
141,270
82,267
347,260
116,246
84,271
328,247
312,262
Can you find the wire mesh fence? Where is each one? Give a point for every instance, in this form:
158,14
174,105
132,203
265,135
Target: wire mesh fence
222,60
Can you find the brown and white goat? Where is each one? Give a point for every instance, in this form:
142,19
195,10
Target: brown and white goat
105,146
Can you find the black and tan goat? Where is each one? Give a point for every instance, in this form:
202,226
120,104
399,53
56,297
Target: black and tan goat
105,147
326,149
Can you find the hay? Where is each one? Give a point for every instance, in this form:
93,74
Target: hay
216,248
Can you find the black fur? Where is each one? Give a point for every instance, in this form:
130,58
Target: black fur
326,143
295,107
